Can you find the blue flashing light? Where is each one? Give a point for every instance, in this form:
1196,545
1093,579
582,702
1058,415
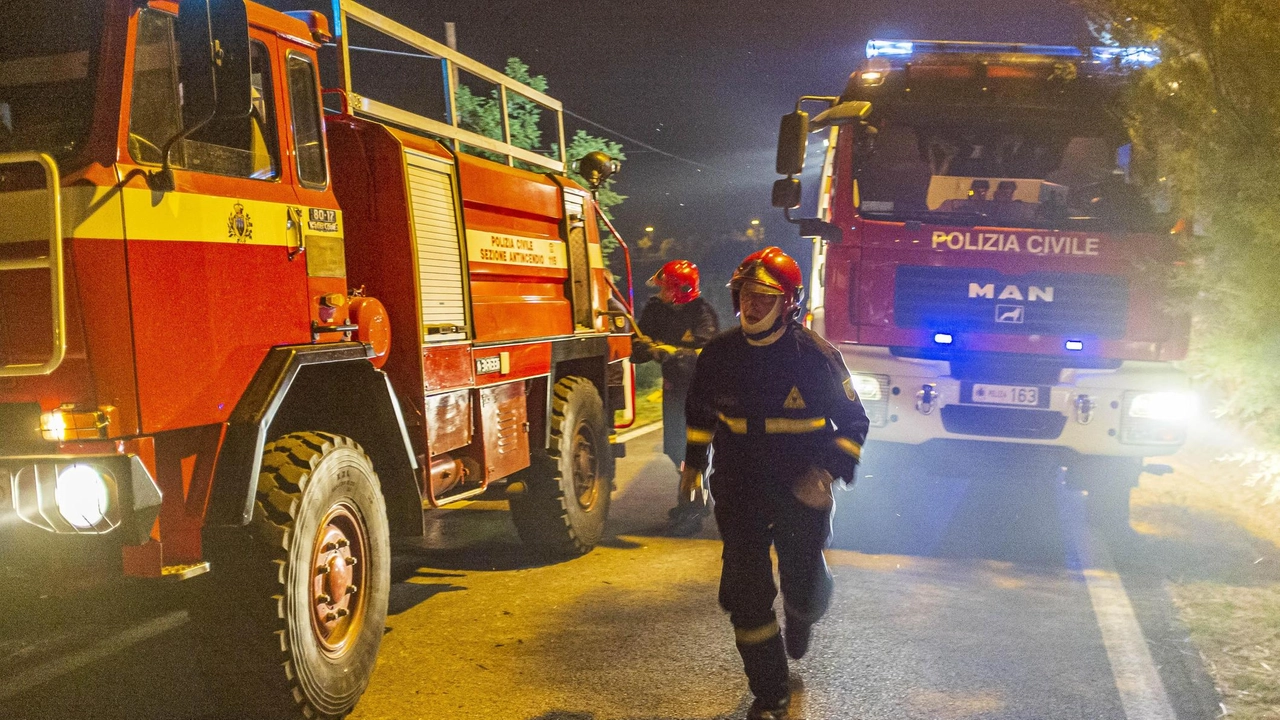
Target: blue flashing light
1124,56
1139,56
943,338
905,48
897,48
1075,345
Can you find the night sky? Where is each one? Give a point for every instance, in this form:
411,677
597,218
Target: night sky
708,80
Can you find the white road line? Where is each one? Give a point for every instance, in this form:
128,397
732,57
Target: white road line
1142,693
71,662
637,432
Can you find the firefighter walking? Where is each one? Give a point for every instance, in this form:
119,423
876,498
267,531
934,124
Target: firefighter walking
775,405
674,326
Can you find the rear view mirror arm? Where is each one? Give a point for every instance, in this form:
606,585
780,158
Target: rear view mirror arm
162,180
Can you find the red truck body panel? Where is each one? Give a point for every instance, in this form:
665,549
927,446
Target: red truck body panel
174,299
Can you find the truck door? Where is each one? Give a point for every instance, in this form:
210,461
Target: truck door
318,218
214,274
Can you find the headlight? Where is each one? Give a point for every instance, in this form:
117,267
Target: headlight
73,496
869,387
873,392
1172,407
83,496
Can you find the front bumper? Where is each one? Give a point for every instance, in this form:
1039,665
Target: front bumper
1086,411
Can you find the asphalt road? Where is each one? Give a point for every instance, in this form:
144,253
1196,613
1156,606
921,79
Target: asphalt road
969,588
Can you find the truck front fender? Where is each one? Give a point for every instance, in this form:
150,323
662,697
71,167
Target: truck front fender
330,388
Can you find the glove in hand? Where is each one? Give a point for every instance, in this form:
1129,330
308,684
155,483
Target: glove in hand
813,488
691,485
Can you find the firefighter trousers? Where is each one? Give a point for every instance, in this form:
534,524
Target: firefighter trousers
749,526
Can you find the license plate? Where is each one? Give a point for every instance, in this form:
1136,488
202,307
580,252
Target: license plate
1028,395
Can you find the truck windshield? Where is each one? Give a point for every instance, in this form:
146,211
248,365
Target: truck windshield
1006,177
47,52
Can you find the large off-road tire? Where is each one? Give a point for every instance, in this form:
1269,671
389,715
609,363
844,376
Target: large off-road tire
1109,481
565,495
297,602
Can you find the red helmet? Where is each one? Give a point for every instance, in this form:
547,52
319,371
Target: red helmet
680,279
773,269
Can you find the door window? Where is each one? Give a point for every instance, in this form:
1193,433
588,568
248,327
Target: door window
308,140
239,147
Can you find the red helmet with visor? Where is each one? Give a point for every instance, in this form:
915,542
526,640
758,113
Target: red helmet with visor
771,269
679,278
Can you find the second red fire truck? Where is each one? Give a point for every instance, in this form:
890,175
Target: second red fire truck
247,340
991,256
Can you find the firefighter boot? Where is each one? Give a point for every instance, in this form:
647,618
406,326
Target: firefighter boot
797,635
761,710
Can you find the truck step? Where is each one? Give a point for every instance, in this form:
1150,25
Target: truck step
177,573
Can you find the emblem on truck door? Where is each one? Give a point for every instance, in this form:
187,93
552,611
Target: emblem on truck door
239,226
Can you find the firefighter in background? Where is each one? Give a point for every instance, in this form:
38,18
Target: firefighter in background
674,326
775,404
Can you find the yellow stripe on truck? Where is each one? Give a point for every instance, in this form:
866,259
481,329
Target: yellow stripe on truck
86,212
95,212
209,218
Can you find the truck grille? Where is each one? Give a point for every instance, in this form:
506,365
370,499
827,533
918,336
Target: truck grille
956,299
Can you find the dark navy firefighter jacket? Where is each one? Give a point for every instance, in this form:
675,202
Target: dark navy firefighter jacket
774,411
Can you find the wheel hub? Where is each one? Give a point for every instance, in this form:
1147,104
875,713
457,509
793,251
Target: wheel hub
586,484
338,561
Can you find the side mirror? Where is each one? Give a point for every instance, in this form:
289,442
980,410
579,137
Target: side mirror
786,193
213,41
596,167
843,114
793,142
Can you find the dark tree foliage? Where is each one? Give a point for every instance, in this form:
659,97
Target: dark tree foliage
1211,112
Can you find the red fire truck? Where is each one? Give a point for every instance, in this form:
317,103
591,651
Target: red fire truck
243,336
990,256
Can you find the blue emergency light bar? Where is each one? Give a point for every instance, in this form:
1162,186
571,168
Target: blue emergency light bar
902,49
943,338
1144,57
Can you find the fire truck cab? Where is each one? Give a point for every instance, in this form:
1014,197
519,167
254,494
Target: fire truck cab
247,339
991,258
